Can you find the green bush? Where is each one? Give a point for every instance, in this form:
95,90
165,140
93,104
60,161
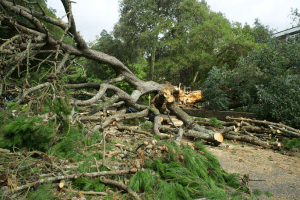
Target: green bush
280,100
265,82
29,132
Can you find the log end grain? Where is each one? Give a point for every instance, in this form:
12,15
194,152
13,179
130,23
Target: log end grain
218,137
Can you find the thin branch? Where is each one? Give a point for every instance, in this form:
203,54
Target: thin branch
62,63
119,185
81,44
57,178
37,4
123,128
9,41
94,84
47,84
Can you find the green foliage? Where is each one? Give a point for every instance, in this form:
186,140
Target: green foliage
215,122
180,50
143,181
257,192
87,184
194,176
198,118
295,16
266,81
292,144
146,126
43,193
215,94
115,47
134,121
65,146
269,194
29,132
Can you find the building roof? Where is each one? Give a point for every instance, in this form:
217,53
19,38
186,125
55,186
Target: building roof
290,31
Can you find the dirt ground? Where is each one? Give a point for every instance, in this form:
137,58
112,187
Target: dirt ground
280,172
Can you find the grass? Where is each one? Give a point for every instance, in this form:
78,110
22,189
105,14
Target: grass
257,192
268,194
134,121
147,126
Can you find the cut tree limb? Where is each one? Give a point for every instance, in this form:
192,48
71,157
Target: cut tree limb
287,132
204,134
57,178
123,128
265,123
119,185
254,140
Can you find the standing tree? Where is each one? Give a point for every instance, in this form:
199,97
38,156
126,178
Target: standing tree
37,41
183,39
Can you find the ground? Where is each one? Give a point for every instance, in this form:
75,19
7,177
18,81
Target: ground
280,172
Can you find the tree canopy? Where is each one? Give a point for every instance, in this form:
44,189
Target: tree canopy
183,39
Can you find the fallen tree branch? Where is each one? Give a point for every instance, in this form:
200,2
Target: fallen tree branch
123,128
205,134
58,178
265,123
119,185
254,140
286,132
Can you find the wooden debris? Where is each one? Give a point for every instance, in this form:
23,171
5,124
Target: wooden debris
123,128
254,140
119,185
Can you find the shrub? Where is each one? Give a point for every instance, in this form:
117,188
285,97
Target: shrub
265,82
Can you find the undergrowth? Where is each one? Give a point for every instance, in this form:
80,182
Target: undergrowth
215,122
292,144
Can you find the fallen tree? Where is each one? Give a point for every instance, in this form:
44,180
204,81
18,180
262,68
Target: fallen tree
35,40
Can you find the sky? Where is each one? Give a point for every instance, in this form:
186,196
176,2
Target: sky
92,16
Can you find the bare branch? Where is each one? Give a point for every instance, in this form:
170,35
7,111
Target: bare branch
120,185
94,84
81,43
25,93
37,4
57,178
8,41
63,62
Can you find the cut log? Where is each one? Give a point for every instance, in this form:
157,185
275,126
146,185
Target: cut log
254,140
204,134
255,129
227,129
265,123
286,132
183,97
61,184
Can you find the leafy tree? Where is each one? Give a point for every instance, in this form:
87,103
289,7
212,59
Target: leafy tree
206,39
141,24
295,16
263,81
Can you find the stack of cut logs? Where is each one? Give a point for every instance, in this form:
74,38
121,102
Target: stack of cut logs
263,133
183,97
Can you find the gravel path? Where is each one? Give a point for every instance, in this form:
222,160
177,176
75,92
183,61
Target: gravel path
281,172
